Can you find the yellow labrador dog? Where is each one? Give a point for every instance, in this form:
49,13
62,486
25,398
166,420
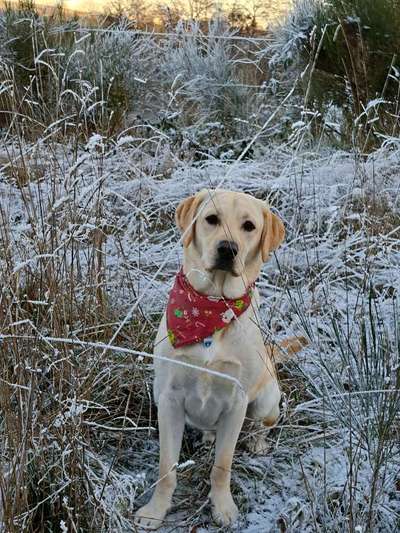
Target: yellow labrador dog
227,236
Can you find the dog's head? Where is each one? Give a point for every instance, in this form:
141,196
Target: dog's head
229,231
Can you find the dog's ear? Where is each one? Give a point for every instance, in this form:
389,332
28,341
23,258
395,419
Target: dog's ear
185,213
272,235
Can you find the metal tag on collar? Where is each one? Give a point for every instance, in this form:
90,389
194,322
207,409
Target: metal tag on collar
207,342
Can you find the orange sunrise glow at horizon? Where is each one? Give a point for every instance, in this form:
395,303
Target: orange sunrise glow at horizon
276,7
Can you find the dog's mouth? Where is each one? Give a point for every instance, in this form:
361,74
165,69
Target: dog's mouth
225,266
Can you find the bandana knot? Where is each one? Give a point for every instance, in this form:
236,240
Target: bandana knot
192,317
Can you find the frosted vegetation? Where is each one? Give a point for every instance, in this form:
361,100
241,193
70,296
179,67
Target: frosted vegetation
102,134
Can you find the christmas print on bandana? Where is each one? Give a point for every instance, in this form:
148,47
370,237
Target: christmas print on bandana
192,317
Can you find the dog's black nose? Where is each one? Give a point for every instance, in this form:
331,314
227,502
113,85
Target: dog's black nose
227,250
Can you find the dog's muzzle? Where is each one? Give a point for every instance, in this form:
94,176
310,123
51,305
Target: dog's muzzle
226,253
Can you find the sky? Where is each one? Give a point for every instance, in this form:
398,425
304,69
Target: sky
102,5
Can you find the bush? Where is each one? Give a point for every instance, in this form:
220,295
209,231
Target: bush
57,75
201,70
32,67
50,69
117,67
351,49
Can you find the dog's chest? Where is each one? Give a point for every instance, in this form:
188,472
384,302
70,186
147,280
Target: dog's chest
207,395
220,346
203,387
207,349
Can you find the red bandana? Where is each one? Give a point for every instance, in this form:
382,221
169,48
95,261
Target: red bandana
192,317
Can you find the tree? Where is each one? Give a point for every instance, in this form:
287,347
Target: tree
200,9
245,18
170,14
136,11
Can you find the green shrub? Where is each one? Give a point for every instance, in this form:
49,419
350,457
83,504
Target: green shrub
351,48
360,46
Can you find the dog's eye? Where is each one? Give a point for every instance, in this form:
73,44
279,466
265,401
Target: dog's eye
212,219
248,226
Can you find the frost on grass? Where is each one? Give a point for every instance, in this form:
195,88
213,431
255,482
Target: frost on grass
88,251
335,280
291,34
202,72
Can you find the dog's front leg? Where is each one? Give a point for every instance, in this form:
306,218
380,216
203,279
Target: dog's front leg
224,509
171,423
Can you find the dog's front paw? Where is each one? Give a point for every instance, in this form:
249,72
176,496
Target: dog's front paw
150,516
224,510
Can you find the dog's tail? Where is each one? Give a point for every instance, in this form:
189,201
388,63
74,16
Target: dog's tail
284,350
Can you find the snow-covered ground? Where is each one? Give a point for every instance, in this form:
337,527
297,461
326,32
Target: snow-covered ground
332,463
